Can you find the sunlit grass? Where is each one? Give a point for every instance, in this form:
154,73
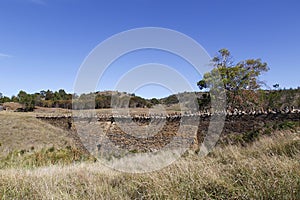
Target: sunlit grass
22,131
269,168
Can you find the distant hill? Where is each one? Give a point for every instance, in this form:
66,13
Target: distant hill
243,99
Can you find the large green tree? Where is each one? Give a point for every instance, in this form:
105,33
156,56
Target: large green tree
242,75
235,78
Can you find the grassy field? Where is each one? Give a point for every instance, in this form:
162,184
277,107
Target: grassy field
22,131
268,168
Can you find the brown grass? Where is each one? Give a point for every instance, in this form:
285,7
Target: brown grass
22,131
267,169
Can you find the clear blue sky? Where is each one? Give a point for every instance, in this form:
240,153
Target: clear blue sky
44,42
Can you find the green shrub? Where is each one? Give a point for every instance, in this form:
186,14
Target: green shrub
287,125
44,157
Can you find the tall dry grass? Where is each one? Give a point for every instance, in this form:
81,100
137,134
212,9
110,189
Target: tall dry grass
22,131
267,169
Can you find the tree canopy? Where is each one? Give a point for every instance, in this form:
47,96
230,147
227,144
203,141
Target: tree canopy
234,76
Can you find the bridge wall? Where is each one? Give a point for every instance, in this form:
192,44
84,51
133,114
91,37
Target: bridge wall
234,124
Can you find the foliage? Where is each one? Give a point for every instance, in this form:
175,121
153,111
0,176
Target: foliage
204,101
4,99
172,99
242,99
27,100
243,75
154,101
235,78
251,136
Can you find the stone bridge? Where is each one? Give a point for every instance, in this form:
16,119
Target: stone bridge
110,127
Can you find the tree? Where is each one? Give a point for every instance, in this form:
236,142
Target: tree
62,93
235,78
43,94
154,101
14,98
243,75
276,86
49,95
27,100
4,99
172,99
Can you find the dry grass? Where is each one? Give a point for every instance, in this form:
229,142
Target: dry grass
43,110
22,131
267,169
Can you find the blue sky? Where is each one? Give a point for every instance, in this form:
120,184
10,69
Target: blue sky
44,42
